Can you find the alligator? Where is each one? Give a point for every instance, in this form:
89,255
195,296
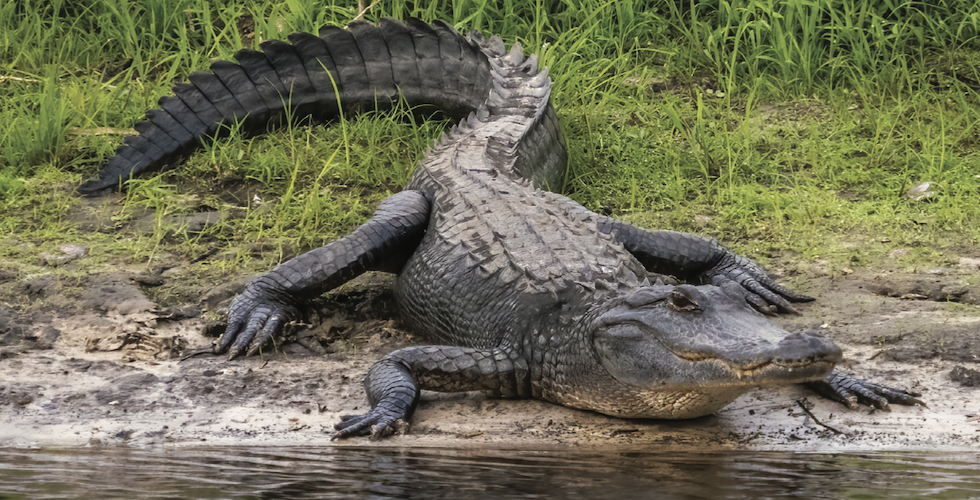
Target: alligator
521,291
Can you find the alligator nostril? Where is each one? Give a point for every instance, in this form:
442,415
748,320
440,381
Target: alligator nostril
806,345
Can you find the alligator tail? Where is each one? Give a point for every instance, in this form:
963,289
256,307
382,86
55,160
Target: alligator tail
370,66
521,89
517,125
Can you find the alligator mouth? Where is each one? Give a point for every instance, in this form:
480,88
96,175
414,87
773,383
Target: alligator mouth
804,369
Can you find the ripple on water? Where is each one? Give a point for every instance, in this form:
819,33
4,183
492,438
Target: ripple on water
298,473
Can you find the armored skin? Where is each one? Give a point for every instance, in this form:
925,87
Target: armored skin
520,291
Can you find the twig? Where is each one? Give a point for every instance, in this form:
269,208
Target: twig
877,353
363,10
818,422
101,131
18,79
206,350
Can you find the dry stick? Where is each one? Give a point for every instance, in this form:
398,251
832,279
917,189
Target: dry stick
363,10
18,79
818,422
206,350
101,131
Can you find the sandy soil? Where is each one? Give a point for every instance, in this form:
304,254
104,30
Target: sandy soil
95,361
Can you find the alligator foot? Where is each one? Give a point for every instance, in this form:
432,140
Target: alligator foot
764,294
377,424
849,391
253,317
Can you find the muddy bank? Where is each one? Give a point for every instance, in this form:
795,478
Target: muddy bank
106,358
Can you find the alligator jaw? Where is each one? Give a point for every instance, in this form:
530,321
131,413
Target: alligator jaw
772,372
768,372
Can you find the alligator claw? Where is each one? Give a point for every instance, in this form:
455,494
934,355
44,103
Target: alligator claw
377,424
764,294
253,318
233,353
759,303
850,391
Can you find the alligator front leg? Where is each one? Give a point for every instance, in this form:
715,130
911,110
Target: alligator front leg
384,243
394,382
849,390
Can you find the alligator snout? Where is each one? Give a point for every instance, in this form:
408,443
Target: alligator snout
806,347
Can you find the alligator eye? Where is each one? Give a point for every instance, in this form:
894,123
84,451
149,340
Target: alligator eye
680,301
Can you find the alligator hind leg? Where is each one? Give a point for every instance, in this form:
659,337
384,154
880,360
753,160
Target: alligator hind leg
384,243
394,382
691,258
697,258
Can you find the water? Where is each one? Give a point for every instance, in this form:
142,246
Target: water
291,473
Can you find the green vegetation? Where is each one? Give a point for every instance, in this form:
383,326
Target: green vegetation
789,126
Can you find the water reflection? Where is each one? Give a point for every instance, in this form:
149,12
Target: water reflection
244,473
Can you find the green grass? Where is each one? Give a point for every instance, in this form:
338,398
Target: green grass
777,126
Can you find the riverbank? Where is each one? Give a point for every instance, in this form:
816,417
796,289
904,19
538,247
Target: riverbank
96,362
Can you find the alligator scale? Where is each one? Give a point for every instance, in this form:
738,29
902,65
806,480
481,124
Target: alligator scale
522,292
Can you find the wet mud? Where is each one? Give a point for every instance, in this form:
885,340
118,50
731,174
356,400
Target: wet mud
121,357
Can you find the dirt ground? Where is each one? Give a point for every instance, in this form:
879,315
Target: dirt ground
95,361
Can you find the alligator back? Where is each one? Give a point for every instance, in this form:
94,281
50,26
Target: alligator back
430,66
499,254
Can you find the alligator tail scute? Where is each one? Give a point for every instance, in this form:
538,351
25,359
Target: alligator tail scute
370,66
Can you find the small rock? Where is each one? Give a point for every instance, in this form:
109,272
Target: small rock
111,343
196,223
69,253
184,311
172,272
74,250
47,337
149,280
51,260
135,381
898,253
38,288
920,192
965,376
965,262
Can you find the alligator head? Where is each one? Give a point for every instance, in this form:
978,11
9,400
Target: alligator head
686,351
